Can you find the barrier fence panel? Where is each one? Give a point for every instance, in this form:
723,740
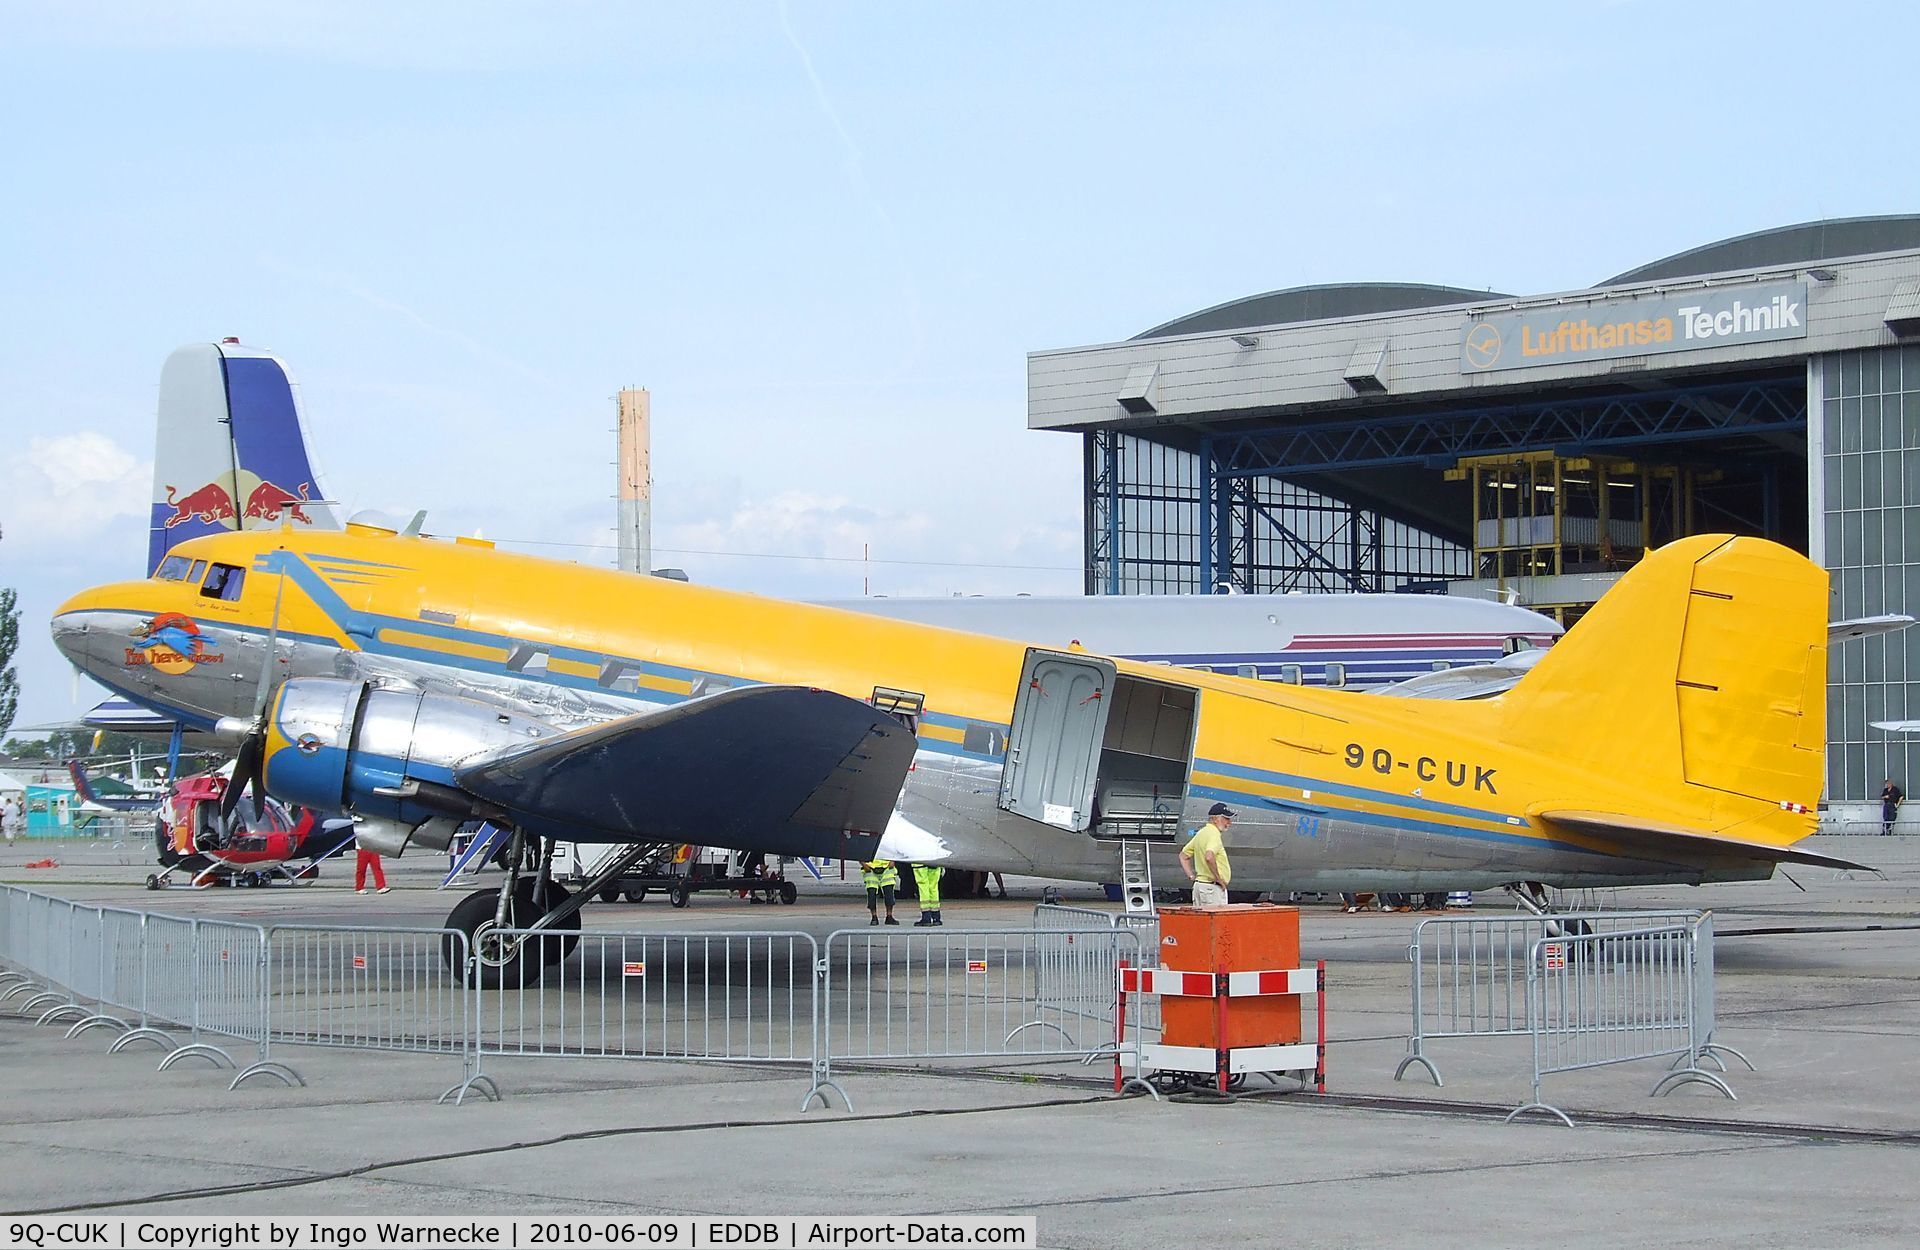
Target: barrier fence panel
712,997
1062,977
1469,973
122,989
168,966
368,988
1605,998
928,994
225,989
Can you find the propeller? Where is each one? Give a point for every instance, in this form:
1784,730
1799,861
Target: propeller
249,763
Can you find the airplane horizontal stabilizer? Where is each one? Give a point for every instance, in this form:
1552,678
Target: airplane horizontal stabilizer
785,769
1652,838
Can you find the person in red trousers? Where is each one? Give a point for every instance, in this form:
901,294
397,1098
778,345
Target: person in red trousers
364,859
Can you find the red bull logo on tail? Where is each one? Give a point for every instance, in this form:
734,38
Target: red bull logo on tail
171,643
269,498
208,504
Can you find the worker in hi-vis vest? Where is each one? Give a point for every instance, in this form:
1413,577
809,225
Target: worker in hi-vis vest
882,880
926,879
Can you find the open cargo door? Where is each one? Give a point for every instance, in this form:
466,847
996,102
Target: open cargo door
1053,747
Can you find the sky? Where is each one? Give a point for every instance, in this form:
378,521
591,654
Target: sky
825,236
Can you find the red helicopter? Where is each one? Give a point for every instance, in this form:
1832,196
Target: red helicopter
237,846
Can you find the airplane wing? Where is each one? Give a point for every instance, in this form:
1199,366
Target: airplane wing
784,768
1655,838
1897,726
1867,627
1473,681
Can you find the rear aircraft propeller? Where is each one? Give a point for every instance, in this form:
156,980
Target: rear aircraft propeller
249,763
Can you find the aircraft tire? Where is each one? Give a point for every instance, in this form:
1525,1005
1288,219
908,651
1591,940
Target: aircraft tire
788,894
473,916
153,881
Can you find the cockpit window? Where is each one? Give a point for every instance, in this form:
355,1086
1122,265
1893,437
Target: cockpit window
199,567
223,582
173,569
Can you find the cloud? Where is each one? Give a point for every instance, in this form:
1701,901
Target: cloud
70,488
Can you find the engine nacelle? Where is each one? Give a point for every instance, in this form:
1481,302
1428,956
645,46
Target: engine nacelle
384,755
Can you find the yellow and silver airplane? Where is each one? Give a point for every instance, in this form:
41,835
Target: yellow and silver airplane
1676,735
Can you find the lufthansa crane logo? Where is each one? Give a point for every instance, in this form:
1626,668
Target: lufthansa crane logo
1482,346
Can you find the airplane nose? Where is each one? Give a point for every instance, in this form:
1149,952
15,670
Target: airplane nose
84,630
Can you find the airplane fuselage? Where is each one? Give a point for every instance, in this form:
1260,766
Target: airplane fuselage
1334,790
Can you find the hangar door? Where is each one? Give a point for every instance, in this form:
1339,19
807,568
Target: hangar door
1095,751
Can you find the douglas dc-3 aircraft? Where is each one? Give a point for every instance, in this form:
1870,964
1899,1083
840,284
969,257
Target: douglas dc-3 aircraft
1677,735
232,453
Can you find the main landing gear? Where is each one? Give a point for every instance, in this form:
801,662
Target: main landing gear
514,932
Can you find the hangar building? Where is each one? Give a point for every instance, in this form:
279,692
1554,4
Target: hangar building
1396,436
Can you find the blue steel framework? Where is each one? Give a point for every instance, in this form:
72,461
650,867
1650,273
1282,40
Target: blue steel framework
1144,515
1161,519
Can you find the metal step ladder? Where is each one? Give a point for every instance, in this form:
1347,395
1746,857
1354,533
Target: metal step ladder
1136,878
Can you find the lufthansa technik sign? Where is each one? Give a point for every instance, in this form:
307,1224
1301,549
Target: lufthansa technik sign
1685,322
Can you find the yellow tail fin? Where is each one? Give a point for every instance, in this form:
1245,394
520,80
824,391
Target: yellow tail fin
1701,679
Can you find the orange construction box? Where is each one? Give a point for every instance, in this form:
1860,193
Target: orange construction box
1230,939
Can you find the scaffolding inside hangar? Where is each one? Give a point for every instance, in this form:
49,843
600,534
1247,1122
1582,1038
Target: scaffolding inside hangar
1411,500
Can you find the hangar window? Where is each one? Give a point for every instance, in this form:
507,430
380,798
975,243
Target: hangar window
173,569
1336,674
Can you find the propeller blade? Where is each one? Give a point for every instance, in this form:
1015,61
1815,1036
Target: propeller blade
272,660
246,763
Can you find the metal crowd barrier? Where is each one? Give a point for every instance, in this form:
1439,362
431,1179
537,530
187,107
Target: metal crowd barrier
371,988
1469,974
713,997
933,994
1059,989
1604,998
211,989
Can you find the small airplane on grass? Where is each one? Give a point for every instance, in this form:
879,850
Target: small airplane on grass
1676,735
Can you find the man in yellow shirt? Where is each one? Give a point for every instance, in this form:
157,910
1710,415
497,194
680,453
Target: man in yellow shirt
1204,858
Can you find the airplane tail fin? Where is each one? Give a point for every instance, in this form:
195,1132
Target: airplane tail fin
1701,674
231,449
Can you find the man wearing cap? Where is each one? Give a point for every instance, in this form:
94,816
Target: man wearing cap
1204,858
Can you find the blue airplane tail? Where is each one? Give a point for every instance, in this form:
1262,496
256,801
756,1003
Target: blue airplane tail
231,450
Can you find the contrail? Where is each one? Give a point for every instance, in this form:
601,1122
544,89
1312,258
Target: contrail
856,172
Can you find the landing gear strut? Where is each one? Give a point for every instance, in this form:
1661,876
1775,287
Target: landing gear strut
1532,896
529,922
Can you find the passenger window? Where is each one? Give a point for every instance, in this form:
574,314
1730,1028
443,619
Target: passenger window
1246,670
1441,666
223,582
984,740
1336,674
1290,673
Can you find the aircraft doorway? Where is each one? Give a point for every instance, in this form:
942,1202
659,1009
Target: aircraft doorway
1096,751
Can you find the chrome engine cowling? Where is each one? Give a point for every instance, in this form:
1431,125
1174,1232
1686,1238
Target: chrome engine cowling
384,755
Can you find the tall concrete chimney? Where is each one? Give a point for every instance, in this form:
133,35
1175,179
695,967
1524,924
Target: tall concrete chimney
636,482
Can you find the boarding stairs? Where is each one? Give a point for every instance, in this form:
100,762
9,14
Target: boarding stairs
1136,878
